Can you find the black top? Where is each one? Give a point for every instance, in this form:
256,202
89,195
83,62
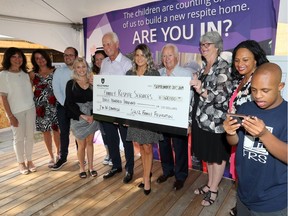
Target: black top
147,73
75,94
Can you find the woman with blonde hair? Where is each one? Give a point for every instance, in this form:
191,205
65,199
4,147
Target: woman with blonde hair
79,96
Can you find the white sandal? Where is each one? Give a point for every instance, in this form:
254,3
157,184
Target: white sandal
57,158
31,167
51,163
23,169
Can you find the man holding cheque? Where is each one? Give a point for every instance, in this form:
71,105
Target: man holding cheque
261,157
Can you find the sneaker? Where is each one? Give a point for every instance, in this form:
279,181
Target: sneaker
110,162
60,163
106,160
233,211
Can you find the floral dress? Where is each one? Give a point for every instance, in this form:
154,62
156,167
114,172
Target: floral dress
45,103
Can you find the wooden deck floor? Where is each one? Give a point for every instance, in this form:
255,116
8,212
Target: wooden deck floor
62,192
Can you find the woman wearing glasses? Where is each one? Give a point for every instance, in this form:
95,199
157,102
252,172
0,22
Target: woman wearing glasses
212,89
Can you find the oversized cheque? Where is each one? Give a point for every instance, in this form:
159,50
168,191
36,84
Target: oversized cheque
156,103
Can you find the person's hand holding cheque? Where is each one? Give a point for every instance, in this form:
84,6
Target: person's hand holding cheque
196,84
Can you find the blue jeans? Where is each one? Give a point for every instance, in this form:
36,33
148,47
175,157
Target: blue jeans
64,125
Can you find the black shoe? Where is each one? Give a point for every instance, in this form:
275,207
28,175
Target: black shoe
112,172
147,192
233,211
128,177
141,185
93,173
163,178
60,163
83,175
178,184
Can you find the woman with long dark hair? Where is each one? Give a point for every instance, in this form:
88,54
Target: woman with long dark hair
45,101
246,57
17,97
142,65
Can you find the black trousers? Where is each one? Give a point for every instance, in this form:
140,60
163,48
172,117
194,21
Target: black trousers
112,140
180,146
64,125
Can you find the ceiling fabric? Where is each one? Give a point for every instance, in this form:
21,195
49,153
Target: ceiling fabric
54,23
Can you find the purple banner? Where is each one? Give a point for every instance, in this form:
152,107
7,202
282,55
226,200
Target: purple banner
182,22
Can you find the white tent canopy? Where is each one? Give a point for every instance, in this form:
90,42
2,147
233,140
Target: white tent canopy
54,23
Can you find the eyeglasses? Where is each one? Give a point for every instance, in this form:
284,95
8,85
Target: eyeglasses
68,55
206,45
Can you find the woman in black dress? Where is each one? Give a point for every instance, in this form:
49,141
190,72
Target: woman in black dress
212,89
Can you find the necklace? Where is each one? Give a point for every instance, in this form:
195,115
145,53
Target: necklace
141,70
44,73
84,84
14,70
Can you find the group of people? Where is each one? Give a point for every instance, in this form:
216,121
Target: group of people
250,86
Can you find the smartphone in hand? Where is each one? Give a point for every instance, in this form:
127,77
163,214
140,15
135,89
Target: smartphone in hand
238,117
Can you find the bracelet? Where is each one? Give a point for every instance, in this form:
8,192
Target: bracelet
202,91
10,116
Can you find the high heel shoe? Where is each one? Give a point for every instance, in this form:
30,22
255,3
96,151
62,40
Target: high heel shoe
141,185
147,192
